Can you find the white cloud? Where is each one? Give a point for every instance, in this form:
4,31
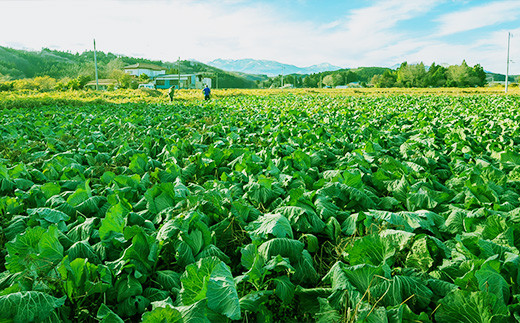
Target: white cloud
478,17
205,30
489,52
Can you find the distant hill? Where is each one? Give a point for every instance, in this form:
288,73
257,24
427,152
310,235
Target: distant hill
269,68
344,76
20,64
252,77
497,77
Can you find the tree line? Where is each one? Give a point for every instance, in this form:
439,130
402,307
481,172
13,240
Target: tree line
417,75
407,75
361,75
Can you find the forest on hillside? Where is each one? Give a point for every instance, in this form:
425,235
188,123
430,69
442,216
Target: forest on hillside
74,70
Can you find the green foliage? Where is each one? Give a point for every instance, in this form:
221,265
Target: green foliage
284,207
28,306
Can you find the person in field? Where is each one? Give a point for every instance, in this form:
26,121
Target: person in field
171,91
206,92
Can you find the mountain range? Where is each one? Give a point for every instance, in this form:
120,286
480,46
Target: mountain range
267,67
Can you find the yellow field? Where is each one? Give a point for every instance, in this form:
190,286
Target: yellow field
33,98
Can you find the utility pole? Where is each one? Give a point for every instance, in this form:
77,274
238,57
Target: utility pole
507,65
283,70
179,71
95,63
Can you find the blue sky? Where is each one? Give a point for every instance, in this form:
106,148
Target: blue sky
301,32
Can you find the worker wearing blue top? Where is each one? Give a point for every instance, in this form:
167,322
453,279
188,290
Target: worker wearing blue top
206,92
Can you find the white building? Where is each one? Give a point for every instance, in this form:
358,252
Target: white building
187,81
142,68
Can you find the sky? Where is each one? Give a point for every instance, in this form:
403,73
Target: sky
346,33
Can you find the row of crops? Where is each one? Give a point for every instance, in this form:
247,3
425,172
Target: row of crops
288,208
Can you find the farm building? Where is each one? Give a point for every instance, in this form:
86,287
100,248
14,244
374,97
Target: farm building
142,68
187,81
104,84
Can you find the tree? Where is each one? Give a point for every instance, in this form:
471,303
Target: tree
328,80
288,79
351,77
297,81
480,75
387,79
459,75
436,76
411,75
125,80
338,79
114,66
310,81
143,78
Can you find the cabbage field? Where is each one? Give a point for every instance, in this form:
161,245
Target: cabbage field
282,207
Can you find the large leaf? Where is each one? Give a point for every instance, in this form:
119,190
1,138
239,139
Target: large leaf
84,230
194,280
114,222
302,219
47,217
142,253
163,315
371,249
222,294
132,306
288,248
106,315
253,301
211,279
28,306
490,279
425,252
261,194
82,249
168,279
270,224
92,206
211,251
363,276
194,313
36,250
284,289
128,286
305,273
155,295
395,291
326,313
407,221
471,307
81,278
337,278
